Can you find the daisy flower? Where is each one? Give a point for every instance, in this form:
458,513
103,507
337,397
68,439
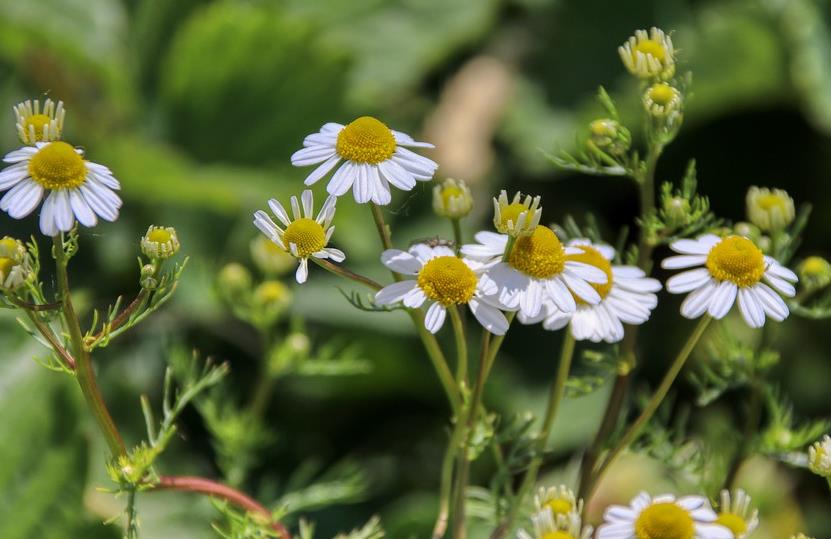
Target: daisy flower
443,280
537,270
374,156
74,188
627,297
36,125
649,54
304,235
561,501
546,526
662,517
735,514
734,267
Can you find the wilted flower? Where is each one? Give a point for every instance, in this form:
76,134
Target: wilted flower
160,242
452,199
769,209
36,125
519,217
649,55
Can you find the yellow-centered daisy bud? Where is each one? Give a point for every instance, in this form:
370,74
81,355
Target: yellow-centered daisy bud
160,242
270,258
649,55
610,136
518,217
769,209
819,457
234,279
815,273
36,124
273,296
452,199
662,101
15,265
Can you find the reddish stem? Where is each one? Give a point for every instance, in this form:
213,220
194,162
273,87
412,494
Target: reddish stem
218,490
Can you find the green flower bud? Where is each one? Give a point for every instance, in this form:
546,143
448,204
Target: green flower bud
160,242
234,279
814,273
452,199
610,136
769,209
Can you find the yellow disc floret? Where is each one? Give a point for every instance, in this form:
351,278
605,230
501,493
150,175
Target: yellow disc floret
58,166
664,521
662,93
366,140
559,506
448,280
511,213
307,235
539,255
159,235
736,259
650,47
36,122
557,535
592,257
732,522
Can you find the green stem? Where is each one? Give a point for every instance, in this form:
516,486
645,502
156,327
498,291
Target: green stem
63,354
461,345
457,233
343,272
383,230
84,370
555,398
654,403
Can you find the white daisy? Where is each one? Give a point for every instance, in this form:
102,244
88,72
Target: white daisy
733,268
627,297
546,526
375,156
538,269
662,517
74,188
36,125
444,280
736,515
304,236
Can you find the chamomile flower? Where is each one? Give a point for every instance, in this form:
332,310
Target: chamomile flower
734,267
374,156
627,297
160,242
538,270
452,199
15,264
304,235
819,457
662,100
74,188
36,125
769,209
443,280
547,526
662,517
736,515
560,500
517,217
649,54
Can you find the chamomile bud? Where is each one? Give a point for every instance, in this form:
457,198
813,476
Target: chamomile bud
148,277
663,101
814,273
649,55
270,258
160,242
819,457
452,199
272,295
748,230
39,124
15,265
610,136
517,217
769,209
676,211
234,279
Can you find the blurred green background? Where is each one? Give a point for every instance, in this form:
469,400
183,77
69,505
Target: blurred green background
196,105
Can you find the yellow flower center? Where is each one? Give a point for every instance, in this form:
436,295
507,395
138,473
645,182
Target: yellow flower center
366,140
603,128
38,121
8,245
448,280
736,259
662,94
815,265
559,506
650,47
159,235
771,201
6,265
664,521
271,292
58,166
557,535
592,256
450,192
539,255
511,212
732,522
307,235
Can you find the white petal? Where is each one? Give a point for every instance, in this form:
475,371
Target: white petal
751,308
401,261
100,199
723,299
556,321
307,199
396,175
394,293
47,217
335,254
64,218
683,261
12,175
774,267
328,139
434,319
712,531
780,284
560,295
342,179
82,211
380,187
586,272
774,305
691,247
698,301
312,155
22,199
21,154
627,272
490,317
279,211
362,189
406,140
302,272
322,170
415,298
687,280
581,288
530,299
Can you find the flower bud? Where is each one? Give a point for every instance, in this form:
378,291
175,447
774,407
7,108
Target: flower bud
649,55
270,258
610,136
15,265
272,295
769,209
814,273
676,211
234,279
452,199
662,101
147,277
519,217
819,457
160,242
39,125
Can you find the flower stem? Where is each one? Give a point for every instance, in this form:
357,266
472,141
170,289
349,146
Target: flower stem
461,345
654,403
343,272
84,371
383,229
457,233
555,398
213,489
